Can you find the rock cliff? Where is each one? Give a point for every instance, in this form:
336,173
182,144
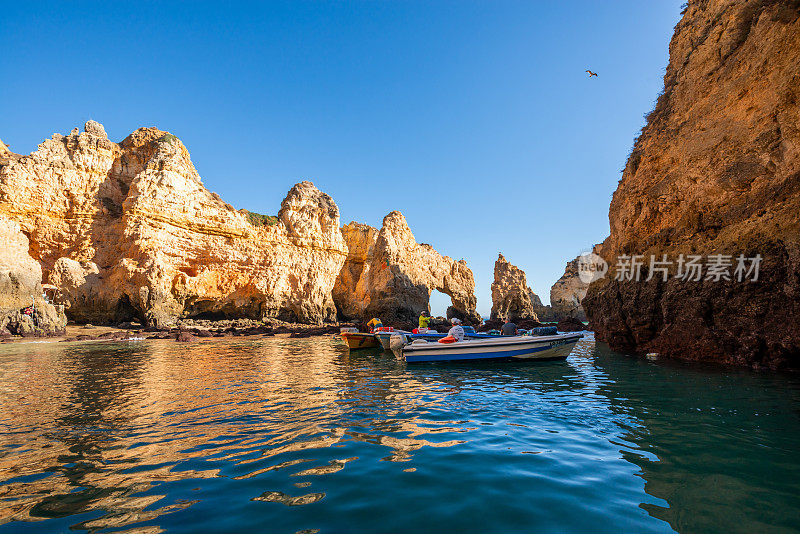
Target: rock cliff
716,170
129,231
21,287
389,275
511,297
567,294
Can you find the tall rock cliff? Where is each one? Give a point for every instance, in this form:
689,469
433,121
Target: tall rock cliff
716,170
512,299
567,294
389,275
129,231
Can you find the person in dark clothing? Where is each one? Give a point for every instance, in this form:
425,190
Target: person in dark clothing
509,329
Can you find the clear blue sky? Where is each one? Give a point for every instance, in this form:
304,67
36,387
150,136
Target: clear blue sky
475,119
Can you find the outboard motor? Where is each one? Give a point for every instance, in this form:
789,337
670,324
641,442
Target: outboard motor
396,344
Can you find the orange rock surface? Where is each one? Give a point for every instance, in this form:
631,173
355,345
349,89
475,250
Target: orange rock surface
129,231
716,170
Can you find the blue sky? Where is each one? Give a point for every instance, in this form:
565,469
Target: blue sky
475,119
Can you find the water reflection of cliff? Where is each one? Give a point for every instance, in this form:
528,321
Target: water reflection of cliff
717,447
95,429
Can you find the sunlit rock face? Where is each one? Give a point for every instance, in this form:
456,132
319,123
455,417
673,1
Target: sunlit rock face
512,299
567,293
389,275
129,231
716,170
21,287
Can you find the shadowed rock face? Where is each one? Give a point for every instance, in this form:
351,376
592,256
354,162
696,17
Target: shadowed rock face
128,231
716,170
389,275
512,299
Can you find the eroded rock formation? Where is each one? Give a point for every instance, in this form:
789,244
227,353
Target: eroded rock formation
567,294
128,231
389,275
21,287
511,297
716,170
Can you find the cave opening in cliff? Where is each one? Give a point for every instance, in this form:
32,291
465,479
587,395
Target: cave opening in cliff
215,315
125,311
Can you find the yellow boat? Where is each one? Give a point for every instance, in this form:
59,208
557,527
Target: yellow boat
360,340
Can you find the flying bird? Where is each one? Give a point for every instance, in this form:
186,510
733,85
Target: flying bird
591,73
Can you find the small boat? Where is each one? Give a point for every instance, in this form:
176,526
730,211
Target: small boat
360,340
554,347
385,335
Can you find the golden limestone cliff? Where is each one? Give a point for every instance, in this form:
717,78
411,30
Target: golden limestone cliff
715,173
21,288
389,275
512,299
567,294
128,231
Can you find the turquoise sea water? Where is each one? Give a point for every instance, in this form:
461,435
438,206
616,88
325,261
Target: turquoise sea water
284,435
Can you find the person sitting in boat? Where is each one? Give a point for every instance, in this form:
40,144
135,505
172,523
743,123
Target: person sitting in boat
424,319
456,331
509,329
374,324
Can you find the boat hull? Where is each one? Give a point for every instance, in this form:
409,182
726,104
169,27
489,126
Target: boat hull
360,340
555,347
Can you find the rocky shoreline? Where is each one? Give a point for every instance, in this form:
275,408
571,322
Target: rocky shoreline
185,331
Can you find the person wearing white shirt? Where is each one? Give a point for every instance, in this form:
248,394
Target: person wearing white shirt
456,331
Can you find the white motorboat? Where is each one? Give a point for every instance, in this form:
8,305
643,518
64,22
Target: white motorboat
552,347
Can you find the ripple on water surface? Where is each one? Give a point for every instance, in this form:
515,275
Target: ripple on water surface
292,435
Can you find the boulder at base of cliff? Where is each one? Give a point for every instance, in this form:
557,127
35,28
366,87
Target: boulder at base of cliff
571,324
185,337
21,287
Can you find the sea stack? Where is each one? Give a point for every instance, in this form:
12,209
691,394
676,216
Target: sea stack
512,299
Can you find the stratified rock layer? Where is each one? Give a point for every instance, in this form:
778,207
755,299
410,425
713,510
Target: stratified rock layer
512,299
128,231
389,275
716,170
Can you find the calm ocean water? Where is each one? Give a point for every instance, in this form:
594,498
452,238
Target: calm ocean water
288,435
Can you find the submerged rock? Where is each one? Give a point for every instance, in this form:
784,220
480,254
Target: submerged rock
185,337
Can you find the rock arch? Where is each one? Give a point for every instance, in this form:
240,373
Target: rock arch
389,275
